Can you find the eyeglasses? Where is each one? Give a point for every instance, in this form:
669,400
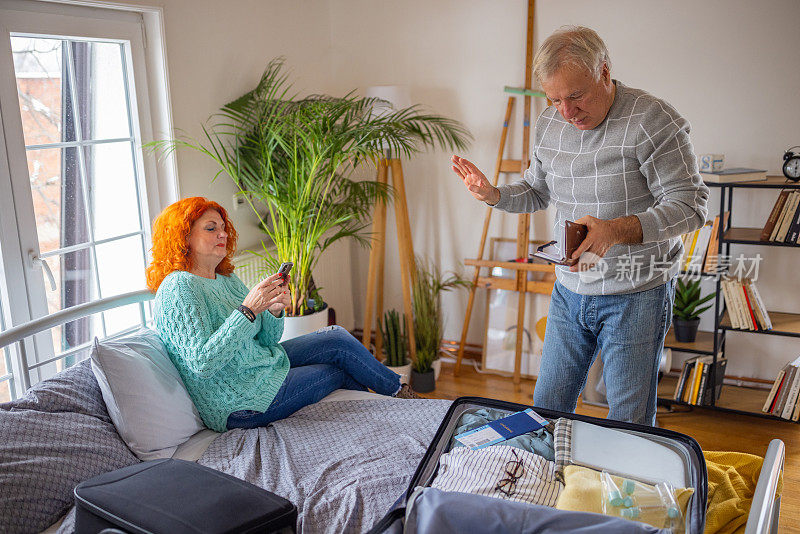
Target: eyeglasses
514,469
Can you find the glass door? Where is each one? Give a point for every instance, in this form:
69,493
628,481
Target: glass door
76,183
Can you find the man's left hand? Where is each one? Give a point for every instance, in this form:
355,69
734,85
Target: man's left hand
604,234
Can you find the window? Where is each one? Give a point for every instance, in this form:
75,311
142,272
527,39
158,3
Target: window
82,192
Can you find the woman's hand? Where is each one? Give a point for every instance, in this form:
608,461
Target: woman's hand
268,294
282,301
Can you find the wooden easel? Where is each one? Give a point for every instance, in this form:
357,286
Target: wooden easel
520,283
408,271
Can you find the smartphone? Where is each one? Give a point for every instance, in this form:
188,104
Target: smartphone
284,270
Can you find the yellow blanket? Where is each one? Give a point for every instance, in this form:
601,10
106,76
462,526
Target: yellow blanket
732,478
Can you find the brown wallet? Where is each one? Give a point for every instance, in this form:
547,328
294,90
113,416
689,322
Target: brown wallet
574,234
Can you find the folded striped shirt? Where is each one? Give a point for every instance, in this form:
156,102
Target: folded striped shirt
480,471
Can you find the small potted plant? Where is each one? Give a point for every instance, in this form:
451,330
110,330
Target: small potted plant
428,315
395,344
686,311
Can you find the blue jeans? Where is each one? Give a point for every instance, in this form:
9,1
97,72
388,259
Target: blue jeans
320,363
628,329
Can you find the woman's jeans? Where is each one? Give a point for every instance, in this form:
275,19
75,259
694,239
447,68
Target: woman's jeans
628,330
320,363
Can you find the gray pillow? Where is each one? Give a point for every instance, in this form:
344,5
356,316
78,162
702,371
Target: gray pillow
72,390
56,436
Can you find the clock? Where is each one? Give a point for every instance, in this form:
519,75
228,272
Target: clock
791,164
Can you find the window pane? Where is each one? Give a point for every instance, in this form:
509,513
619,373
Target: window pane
37,63
115,210
57,192
121,266
75,284
5,391
75,280
121,271
105,107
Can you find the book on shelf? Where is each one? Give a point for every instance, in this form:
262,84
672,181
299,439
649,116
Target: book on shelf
696,258
698,374
736,174
745,306
753,324
780,400
716,375
794,226
711,261
791,398
788,216
773,392
774,215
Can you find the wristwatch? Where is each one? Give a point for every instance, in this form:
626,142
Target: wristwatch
247,312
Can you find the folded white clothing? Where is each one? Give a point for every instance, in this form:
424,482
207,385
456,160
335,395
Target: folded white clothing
499,471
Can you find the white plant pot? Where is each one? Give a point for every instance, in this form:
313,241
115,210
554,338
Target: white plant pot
437,368
305,324
404,371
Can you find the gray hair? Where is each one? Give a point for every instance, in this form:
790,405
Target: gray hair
571,45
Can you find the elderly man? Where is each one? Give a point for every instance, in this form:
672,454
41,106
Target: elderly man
620,161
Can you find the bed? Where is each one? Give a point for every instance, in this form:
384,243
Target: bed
343,461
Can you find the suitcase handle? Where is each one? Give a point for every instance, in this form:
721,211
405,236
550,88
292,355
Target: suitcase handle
112,531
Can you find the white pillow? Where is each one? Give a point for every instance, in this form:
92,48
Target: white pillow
144,394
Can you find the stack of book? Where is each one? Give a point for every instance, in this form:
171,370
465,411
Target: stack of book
783,224
782,399
696,379
700,247
737,174
745,307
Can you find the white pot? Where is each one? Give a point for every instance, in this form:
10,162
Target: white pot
437,368
404,371
305,324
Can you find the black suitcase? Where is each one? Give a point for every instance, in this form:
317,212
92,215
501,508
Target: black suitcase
177,497
694,462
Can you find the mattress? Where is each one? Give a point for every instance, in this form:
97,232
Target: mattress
195,446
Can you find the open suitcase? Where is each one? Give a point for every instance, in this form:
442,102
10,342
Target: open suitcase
622,449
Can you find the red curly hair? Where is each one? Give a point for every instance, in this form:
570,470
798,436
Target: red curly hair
171,239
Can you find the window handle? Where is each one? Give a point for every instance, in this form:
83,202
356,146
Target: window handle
36,261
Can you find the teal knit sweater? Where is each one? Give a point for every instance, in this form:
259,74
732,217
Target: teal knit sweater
226,362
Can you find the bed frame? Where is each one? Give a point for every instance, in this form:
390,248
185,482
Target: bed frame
764,511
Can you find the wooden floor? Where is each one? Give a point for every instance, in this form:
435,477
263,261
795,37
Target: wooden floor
714,431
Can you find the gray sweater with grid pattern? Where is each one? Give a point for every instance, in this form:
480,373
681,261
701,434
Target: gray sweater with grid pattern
638,161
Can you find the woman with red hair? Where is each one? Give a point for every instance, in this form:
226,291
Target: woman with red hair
224,338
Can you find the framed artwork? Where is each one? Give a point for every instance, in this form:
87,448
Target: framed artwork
500,337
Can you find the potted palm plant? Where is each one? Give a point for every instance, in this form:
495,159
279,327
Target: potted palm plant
429,320
395,344
293,160
685,312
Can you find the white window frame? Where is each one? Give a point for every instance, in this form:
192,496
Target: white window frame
141,29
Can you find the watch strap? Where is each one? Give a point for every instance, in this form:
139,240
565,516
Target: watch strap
247,312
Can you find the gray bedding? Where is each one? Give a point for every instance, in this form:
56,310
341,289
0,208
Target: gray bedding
342,463
54,437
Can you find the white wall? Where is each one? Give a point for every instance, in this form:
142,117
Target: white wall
729,66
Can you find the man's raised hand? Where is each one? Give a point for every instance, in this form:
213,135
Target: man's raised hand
475,181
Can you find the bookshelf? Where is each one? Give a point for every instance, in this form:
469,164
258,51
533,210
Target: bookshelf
733,399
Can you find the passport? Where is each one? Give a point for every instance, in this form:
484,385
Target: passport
508,427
